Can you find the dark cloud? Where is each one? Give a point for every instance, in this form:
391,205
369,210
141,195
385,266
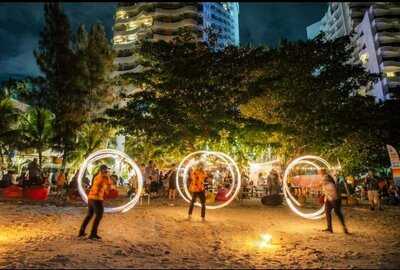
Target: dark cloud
260,23
21,23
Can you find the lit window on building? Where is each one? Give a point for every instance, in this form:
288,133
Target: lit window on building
121,40
364,58
118,39
390,74
142,21
132,37
122,14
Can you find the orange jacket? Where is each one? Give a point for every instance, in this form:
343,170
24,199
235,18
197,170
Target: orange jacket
197,178
101,186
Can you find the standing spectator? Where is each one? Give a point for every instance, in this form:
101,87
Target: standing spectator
34,172
372,191
153,186
159,183
6,179
273,182
60,181
251,188
393,194
21,179
172,183
148,175
382,188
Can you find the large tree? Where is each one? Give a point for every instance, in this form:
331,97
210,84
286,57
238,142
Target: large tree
317,105
76,70
95,58
36,131
57,63
191,93
8,132
301,97
8,121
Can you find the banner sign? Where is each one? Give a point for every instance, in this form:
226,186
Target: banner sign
395,161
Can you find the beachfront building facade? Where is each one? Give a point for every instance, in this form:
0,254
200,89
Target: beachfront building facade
135,21
375,33
378,47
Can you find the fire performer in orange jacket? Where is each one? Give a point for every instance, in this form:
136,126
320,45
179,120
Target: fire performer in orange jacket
101,186
196,187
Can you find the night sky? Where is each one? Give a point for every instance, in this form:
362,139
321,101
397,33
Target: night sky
260,23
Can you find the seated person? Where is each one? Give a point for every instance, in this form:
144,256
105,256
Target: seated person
6,181
131,190
222,193
393,194
35,173
153,186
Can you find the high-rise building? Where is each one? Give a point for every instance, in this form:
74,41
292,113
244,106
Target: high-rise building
378,47
376,42
338,21
135,21
314,29
223,17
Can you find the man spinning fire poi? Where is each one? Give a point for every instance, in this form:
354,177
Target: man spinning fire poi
101,186
196,187
332,200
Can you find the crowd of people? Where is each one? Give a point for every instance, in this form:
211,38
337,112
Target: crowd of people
30,175
268,183
377,190
161,183
208,184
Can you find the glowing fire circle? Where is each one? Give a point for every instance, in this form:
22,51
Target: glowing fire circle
189,161
290,199
111,153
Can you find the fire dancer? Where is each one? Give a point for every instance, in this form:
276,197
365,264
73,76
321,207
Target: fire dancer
332,201
197,177
101,185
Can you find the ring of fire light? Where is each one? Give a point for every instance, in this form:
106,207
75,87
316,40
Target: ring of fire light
112,153
233,169
290,199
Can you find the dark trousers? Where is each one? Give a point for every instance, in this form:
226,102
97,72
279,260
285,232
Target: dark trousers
202,196
336,206
94,207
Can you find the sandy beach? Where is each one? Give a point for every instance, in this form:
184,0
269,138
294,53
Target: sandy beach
159,236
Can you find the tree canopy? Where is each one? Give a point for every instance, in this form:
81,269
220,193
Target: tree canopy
301,97
76,72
